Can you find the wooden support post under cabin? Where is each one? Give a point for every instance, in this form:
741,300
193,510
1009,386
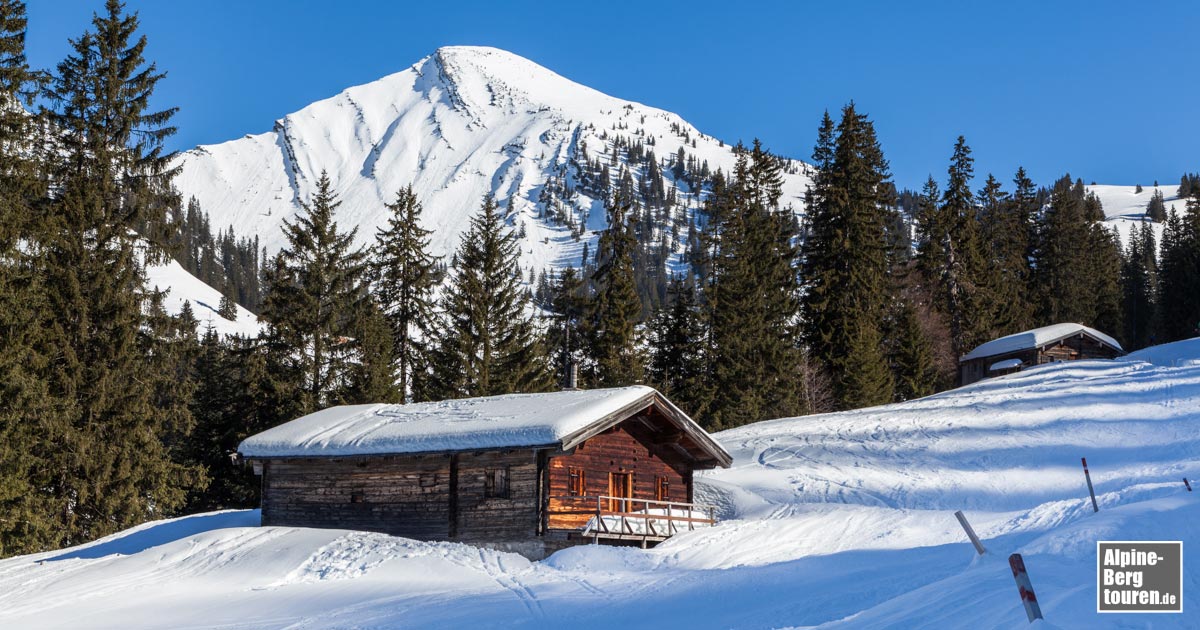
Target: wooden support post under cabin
1091,490
1025,587
1188,485
962,520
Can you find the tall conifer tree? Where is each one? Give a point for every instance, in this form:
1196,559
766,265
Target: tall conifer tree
846,261
1139,288
615,308
566,337
676,365
486,341
964,270
405,277
27,519
752,297
113,467
1077,261
1005,233
314,306
1179,275
911,355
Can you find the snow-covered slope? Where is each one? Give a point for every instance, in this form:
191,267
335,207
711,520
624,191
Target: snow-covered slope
1126,201
1125,207
182,286
459,124
833,521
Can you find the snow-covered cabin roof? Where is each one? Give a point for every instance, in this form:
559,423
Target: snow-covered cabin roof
1037,338
557,419
1006,364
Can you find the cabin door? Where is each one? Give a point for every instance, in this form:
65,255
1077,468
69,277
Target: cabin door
620,485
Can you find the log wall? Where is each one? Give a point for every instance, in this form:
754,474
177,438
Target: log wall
401,496
497,518
622,449
433,497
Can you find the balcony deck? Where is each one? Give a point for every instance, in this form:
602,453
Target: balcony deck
628,519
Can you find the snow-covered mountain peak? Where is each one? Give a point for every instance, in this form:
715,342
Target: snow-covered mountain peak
482,80
459,124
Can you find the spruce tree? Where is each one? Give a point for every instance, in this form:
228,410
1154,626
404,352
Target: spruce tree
486,340
372,378
229,404
963,271
846,260
676,364
1006,223
752,297
1156,210
911,355
27,519
1179,275
112,464
315,304
615,308
227,308
1139,288
1077,261
566,337
405,277
1104,272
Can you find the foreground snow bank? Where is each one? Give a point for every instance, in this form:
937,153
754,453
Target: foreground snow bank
833,521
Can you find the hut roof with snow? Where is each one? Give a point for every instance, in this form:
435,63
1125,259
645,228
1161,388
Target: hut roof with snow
531,473
1058,342
561,419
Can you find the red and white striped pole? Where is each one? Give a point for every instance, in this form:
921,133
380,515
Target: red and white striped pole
1025,587
1091,491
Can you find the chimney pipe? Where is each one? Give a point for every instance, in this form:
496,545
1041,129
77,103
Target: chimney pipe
573,377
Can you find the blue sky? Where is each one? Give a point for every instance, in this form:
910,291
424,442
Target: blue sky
1104,90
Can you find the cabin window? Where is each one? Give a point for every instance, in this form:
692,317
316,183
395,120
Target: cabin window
663,490
495,483
356,496
577,481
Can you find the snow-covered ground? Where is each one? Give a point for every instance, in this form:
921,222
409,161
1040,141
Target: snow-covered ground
834,521
1125,207
1126,201
182,286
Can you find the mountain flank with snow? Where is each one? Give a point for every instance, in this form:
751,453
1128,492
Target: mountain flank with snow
460,124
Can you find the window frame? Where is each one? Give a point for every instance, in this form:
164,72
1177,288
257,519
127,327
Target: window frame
576,481
496,483
662,489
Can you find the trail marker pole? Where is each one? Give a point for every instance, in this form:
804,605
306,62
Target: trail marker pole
1025,587
962,520
1185,482
1091,490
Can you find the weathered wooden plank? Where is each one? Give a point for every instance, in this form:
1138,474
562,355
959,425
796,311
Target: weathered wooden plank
625,448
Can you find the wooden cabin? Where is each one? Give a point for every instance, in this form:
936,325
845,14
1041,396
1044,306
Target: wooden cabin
1060,342
530,473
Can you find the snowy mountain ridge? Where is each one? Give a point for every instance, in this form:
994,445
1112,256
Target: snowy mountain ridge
471,121
459,124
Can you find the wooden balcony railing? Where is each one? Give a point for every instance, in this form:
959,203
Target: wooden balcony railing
629,518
